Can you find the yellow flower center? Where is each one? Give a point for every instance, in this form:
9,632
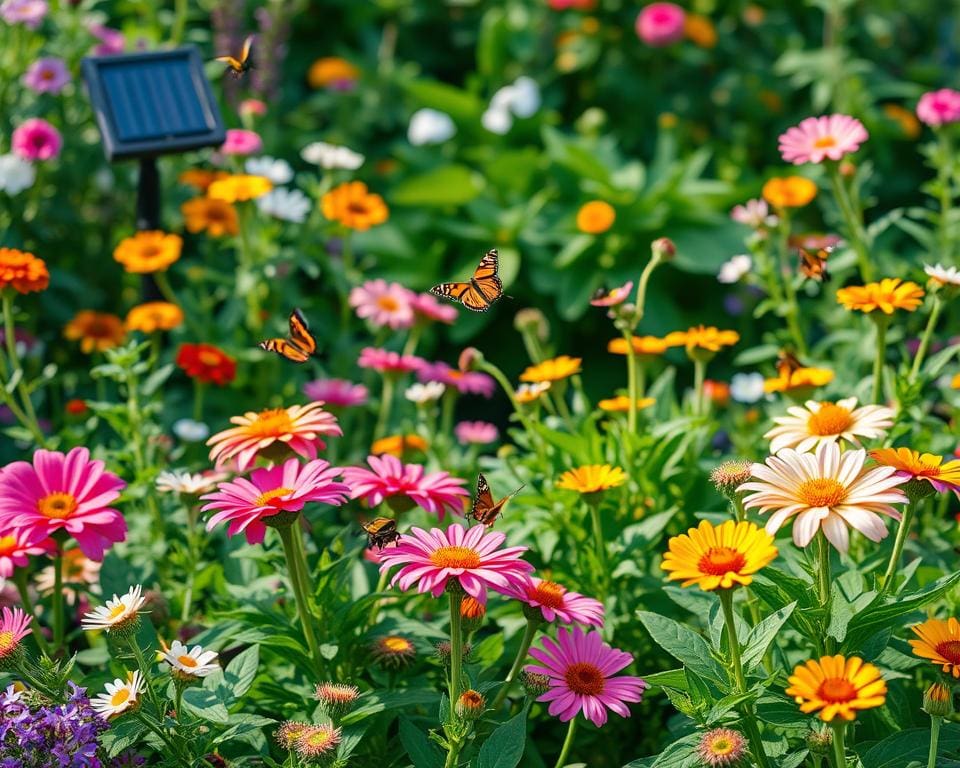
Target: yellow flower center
57,506
6,643
585,679
207,357
825,141
830,420
187,661
721,745
950,650
836,689
388,303
821,492
455,557
117,611
717,561
7,544
272,422
549,593
264,499
396,644
318,739
120,697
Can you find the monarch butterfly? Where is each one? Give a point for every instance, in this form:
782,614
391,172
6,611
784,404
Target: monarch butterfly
380,532
301,344
237,66
483,289
787,363
484,509
813,264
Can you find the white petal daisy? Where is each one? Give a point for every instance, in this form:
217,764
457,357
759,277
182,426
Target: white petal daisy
425,393
190,662
943,275
118,613
805,428
192,484
121,696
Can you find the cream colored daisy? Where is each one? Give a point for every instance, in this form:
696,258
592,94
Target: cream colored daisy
828,489
118,613
189,483
187,663
940,275
805,428
121,695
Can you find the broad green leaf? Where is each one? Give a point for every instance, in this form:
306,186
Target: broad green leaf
679,754
898,749
382,702
683,644
459,104
672,678
239,674
419,748
447,185
504,747
205,704
763,634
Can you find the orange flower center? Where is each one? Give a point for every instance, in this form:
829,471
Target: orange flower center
149,251
585,679
836,689
830,420
7,545
950,650
358,208
455,557
187,661
57,506
209,358
396,644
548,593
825,141
120,697
720,560
6,643
272,422
388,303
264,499
821,492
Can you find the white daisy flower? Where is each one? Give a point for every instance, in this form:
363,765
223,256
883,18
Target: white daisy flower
522,98
285,204
190,662
430,126
118,613
332,156
191,431
121,696
497,120
747,387
943,275
191,484
277,170
16,174
425,393
805,428
733,270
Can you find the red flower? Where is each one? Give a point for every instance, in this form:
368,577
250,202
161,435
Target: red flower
207,363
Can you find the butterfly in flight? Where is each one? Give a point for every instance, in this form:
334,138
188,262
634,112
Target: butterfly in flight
380,532
483,289
237,66
787,364
484,509
813,264
299,346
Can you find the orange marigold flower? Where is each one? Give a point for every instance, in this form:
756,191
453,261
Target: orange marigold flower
904,118
96,331
592,478
207,363
154,316
888,295
146,252
700,30
22,271
332,72
207,214
354,206
595,217
200,178
836,686
703,337
642,345
801,380
789,191
940,643
530,393
718,557
239,188
398,445
621,404
558,368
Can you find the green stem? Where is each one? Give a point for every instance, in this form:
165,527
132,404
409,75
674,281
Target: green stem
945,177
299,591
632,386
786,275
375,608
839,749
525,642
386,403
925,339
456,652
58,600
593,504
878,367
652,264
567,744
9,333
935,723
902,532
20,577
823,583
855,231
199,388
245,272
413,339
699,374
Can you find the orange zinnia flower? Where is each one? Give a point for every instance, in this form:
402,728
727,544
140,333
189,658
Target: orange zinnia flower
146,252
940,643
96,331
837,686
207,214
703,337
888,295
642,345
592,478
398,445
621,404
558,368
353,206
154,316
595,217
789,192
22,271
239,188
207,363
801,379
332,71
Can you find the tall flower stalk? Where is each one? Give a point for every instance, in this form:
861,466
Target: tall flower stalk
299,581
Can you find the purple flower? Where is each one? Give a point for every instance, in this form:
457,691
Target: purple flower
48,75
111,40
27,12
467,383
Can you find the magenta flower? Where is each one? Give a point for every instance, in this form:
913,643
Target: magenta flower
556,602
613,297
580,667
754,213
426,307
63,492
385,361
816,139
241,142
338,393
405,486
247,502
17,546
472,557
465,382
14,626
937,108
27,12
48,75
476,433
660,24
35,139
111,40
383,304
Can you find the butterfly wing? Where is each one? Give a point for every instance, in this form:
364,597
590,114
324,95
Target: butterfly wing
231,63
787,363
813,265
245,53
483,289
453,291
489,265
483,502
285,349
300,335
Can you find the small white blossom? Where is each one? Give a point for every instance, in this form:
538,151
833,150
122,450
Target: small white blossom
943,275
497,120
332,156
425,393
121,695
285,203
430,126
275,169
731,271
191,431
747,387
119,611
190,662
16,174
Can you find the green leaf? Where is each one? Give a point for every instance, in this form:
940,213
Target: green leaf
504,747
447,185
205,704
382,702
678,754
239,674
672,678
763,634
122,735
683,644
457,103
419,748
898,749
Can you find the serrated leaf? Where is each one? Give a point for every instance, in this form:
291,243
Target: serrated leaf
762,635
419,748
683,644
504,747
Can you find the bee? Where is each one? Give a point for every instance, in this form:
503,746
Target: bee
237,66
381,532
484,509
813,264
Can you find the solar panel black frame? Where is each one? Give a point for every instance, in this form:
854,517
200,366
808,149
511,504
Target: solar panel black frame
153,103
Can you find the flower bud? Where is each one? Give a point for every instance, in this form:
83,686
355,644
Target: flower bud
730,475
472,612
820,742
443,651
337,698
534,684
938,701
469,360
917,488
663,249
288,733
470,705
533,321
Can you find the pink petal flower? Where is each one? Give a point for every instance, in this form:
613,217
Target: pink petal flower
816,139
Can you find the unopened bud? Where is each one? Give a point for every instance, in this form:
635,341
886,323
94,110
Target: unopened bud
470,359
534,684
472,612
443,651
533,321
730,475
663,248
470,705
337,698
820,742
938,701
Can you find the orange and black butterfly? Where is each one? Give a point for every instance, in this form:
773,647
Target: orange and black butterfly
299,346
813,264
787,364
380,532
238,65
485,510
483,289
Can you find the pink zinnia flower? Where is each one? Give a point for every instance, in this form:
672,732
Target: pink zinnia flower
35,139
383,304
939,107
816,139
660,24
17,546
465,382
241,142
111,40
247,502
385,361
476,433
580,667
27,12
252,107
426,307
338,393
429,559
613,297
67,492
48,75
296,429
556,602
754,213
14,626
407,485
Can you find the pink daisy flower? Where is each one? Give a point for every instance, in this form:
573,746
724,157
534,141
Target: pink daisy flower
385,361
273,432
556,602
63,492
407,485
939,107
816,139
754,213
111,40
48,75
14,626
338,393
383,304
426,307
612,297
35,139
465,382
247,502
241,142
660,24
17,546
27,12
580,667
476,433
254,107
429,559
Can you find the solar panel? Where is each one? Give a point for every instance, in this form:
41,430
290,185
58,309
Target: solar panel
153,103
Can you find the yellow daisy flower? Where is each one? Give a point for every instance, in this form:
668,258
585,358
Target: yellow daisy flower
836,686
718,557
558,368
592,478
888,295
